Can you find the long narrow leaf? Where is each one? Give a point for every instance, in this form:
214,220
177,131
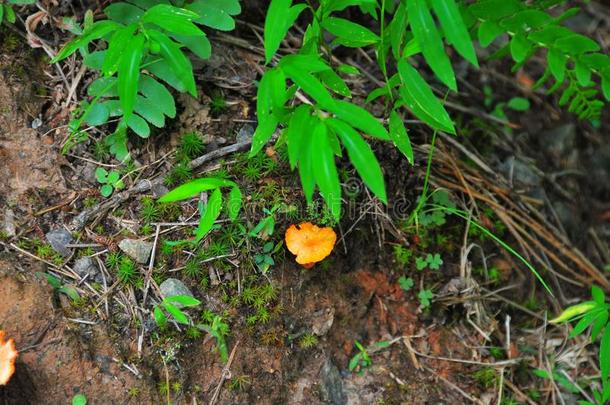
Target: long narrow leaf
455,30
129,73
211,213
325,170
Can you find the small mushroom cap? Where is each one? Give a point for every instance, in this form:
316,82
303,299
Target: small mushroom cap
309,242
8,354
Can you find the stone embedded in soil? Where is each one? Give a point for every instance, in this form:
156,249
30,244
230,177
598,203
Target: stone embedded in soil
245,133
59,239
86,267
520,172
158,190
322,321
9,223
138,250
173,286
560,141
331,385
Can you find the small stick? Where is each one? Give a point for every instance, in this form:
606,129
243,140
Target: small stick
226,374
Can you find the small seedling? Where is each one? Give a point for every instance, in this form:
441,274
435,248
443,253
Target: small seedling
58,287
425,297
264,260
405,283
361,360
219,330
109,181
169,304
308,341
431,261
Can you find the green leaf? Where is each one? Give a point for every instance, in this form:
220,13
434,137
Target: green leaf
150,111
334,82
103,86
306,63
520,46
604,354
199,45
362,157
10,14
405,283
420,99
400,137
97,114
113,177
340,5
487,32
349,33
359,118
172,19
211,213
574,311
279,19
95,60
176,313
157,93
297,132
184,300
398,29
2,6
160,318
106,190
306,164
128,75
557,64
161,69
518,104
454,28
119,41
101,175
97,30
429,39
179,64
193,188
123,13
598,295
138,125
234,203
310,85
264,131
583,73
576,44
494,9
216,13
325,171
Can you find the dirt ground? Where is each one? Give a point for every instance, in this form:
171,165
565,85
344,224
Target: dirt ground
92,347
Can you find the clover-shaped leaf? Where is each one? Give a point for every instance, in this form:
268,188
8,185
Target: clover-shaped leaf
434,261
405,283
101,175
421,263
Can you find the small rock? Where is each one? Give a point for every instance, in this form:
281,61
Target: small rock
323,321
520,172
36,123
173,286
9,223
331,385
158,190
59,238
559,142
138,250
598,167
85,266
245,133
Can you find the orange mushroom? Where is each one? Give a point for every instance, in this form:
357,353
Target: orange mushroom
8,354
310,243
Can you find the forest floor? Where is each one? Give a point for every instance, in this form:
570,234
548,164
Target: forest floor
469,328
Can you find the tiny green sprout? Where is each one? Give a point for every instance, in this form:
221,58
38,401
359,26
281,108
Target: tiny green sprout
308,341
239,382
172,305
109,181
218,103
518,104
133,392
79,399
405,283
431,261
191,145
192,269
425,296
402,255
361,360
127,270
150,212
